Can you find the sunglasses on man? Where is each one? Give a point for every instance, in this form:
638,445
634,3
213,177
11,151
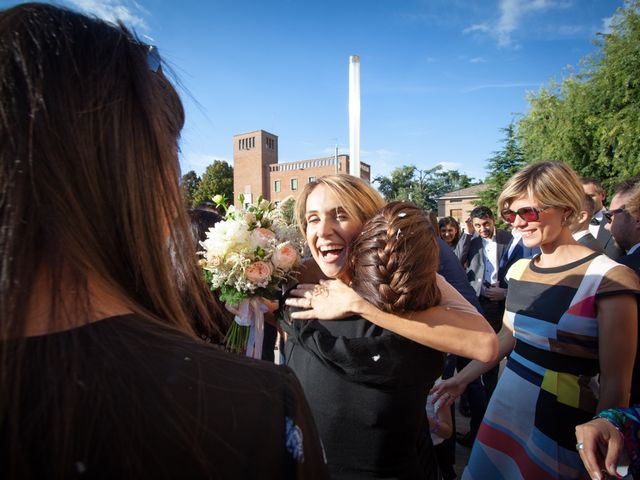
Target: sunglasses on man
609,214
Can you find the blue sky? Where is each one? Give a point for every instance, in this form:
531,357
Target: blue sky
439,78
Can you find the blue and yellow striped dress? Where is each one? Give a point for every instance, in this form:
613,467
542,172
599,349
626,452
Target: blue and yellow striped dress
548,385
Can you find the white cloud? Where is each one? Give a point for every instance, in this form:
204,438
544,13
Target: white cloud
114,10
477,60
608,22
512,13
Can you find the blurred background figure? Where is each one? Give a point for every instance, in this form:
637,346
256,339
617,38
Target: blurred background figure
453,236
580,228
593,188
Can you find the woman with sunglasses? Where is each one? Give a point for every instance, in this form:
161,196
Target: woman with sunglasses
570,316
102,373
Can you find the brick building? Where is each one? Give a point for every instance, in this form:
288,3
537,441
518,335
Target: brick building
458,204
256,170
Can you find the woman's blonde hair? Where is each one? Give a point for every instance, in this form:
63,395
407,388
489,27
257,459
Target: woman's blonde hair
552,183
359,199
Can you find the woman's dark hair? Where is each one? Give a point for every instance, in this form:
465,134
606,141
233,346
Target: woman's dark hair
395,259
201,221
89,181
450,221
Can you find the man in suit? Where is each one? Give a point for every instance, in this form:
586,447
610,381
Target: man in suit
625,228
580,228
483,264
625,221
593,188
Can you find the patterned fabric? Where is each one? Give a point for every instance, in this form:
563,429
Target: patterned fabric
547,386
627,420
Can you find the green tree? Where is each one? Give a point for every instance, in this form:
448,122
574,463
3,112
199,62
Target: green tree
421,187
189,184
592,119
216,179
502,166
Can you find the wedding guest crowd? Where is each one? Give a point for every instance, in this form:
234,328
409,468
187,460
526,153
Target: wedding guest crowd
104,308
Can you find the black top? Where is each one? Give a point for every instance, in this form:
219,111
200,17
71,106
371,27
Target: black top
150,402
367,389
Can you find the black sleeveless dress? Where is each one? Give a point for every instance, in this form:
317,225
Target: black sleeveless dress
367,388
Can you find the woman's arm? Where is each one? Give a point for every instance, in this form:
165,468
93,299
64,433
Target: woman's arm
617,334
453,326
453,387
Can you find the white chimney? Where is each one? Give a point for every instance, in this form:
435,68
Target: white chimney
354,115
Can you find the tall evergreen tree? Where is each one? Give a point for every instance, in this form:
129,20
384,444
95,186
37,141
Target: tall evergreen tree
502,166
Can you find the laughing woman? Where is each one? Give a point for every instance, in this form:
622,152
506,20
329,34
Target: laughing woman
364,377
570,316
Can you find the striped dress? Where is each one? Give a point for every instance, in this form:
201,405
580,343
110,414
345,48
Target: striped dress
547,387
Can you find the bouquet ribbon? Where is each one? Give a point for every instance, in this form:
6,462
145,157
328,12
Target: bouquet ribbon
250,313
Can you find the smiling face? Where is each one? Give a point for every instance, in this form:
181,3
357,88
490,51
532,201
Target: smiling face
448,233
484,226
329,231
546,231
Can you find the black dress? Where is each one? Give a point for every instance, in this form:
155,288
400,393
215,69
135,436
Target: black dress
150,402
367,389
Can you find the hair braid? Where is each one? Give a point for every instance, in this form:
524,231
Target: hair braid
395,258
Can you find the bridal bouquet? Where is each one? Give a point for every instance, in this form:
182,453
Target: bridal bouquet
250,255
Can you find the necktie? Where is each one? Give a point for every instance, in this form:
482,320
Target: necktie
595,221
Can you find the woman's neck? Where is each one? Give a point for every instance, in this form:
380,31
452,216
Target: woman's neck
563,250
71,310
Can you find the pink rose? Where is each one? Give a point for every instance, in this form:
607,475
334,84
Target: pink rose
285,256
259,273
260,237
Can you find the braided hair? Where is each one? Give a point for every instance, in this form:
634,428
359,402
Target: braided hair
394,260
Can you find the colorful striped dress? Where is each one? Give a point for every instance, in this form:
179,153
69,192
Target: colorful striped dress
547,387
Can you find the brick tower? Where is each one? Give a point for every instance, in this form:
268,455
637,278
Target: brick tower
253,152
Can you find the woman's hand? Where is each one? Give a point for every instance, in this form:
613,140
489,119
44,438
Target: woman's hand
448,391
600,445
327,300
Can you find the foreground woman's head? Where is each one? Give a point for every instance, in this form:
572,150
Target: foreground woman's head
88,165
331,212
394,260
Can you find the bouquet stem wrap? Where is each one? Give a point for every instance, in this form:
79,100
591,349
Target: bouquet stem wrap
250,313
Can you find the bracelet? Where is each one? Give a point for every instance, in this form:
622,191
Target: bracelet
613,416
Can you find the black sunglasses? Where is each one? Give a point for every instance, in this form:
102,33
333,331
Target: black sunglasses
528,214
609,214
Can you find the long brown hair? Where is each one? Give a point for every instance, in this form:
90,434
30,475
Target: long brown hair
89,181
395,259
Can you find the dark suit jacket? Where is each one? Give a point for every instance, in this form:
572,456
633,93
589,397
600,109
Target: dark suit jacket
519,251
451,269
609,245
633,261
476,259
590,242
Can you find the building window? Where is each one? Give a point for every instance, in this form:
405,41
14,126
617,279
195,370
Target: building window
276,186
294,184
312,179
